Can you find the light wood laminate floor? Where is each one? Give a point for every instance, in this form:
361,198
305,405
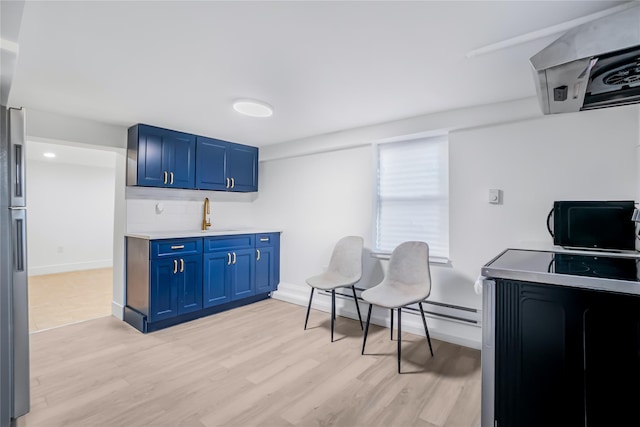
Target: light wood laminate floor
254,365
63,298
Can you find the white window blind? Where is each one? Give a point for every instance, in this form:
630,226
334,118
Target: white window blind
412,199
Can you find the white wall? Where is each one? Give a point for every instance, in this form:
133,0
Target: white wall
319,197
70,216
584,156
316,200
53,126
119,229
163,209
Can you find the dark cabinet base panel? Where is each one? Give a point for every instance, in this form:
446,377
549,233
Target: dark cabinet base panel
139,320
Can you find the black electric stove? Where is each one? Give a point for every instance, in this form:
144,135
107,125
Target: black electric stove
564,268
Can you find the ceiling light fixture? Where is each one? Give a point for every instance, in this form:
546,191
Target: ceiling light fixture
49,155
253,108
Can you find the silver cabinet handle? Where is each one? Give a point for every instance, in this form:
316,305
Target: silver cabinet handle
258,259
264,239
181,265
175,266
233,182
171,177
228,183
177,247
234,258
165,175
229,260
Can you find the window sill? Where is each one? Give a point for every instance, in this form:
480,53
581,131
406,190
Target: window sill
432,259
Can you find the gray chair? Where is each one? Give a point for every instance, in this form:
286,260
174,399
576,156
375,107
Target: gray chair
408,281
345,269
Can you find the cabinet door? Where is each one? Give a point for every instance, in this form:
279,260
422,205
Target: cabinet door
190,284
152,161
180,149
265,270
539,365
164,290
243,274
163,152
612,359
242,166
216,278
211,171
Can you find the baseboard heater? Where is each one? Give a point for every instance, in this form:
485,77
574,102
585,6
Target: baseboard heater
457,313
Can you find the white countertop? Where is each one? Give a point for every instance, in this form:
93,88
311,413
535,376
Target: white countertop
154,235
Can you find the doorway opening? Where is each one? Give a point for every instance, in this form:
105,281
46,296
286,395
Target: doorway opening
70,199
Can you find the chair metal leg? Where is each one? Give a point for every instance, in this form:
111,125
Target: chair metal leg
399,337
366,328
333,311
308,309
391,310
426,330
355,298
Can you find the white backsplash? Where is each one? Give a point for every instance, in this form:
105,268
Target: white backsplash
159,209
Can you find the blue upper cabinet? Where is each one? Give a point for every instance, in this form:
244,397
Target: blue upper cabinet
226,166
242,167
211,164
161,157
166,158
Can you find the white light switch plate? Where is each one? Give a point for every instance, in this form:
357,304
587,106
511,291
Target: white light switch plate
495,196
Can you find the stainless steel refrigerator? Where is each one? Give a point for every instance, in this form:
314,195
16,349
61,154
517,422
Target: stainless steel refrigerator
14,315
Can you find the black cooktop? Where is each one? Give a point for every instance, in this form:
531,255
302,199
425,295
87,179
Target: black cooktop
600,266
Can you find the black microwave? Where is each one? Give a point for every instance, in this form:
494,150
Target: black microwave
605,225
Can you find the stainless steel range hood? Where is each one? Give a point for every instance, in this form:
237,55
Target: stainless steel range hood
595,65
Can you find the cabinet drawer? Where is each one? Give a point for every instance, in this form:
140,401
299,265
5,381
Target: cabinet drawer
267,239
173,247
212,244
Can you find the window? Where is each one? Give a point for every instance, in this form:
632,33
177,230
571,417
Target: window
412,198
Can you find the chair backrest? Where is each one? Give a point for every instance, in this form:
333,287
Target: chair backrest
409,265
346,258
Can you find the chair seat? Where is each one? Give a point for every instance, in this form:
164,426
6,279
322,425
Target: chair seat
331,280
391,294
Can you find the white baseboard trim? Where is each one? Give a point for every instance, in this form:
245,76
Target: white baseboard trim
63,268
117,310
439,328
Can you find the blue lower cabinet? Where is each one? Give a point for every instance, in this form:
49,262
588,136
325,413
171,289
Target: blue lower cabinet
170,281
228,276
267,262
243,269
189,284
176,287
164,290
216,278
265,270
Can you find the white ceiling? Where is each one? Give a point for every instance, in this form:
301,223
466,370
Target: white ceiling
68,154
324,66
